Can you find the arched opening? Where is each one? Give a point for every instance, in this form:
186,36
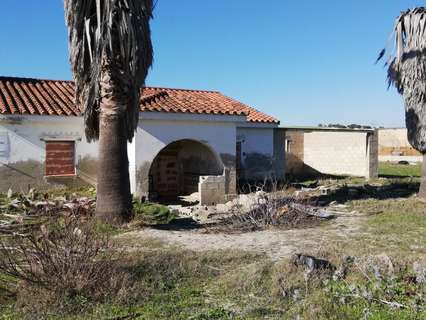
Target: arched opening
177,168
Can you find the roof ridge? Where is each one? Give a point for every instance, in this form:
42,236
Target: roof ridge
181,89
251,108
72,81
28,79
54,97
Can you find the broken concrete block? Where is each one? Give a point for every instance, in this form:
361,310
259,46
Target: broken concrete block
419,269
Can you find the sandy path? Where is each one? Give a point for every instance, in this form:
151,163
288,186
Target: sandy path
275,243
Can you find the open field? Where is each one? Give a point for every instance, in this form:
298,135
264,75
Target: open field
388,169
193,273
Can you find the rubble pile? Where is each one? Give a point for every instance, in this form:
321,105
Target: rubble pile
22,210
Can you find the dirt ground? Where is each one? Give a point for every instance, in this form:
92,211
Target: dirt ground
370,218
275,243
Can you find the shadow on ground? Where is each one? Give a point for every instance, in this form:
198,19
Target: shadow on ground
347,193
180,224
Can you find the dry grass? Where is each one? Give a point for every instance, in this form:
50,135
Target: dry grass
60,263
167,282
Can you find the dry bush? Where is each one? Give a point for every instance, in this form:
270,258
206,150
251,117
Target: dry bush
60,263
271,210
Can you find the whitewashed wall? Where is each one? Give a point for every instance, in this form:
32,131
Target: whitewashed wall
257,151
157,130
259,140
26,146
23,162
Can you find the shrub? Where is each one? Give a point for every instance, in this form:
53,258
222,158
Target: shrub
153,213
62,265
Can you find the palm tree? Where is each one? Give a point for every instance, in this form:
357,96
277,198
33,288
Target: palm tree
110,54
407,72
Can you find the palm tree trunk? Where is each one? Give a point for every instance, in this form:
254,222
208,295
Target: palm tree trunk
114,200
422,191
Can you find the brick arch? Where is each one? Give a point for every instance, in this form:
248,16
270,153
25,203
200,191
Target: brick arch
176,169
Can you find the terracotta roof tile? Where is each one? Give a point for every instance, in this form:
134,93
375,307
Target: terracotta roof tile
50,97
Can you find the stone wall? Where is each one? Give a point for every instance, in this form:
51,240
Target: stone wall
394,146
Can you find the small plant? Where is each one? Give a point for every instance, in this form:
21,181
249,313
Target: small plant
153,213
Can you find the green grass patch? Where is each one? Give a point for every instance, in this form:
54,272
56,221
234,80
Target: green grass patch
389,169
152,213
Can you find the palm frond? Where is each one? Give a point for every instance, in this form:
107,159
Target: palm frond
407,71
109,38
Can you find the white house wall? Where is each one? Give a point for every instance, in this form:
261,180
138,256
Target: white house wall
22,165
257,152
155,134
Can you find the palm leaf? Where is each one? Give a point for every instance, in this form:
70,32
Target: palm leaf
109,38
407,71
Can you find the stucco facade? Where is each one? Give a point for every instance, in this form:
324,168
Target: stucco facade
157,130
24,152
184,138
261,153
22,163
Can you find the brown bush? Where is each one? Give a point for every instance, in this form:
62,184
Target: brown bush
61,262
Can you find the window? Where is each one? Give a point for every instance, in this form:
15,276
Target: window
60,158
4,144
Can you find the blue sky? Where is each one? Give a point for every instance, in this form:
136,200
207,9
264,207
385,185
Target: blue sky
303,61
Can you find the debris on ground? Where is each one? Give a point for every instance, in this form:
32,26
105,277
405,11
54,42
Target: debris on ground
19,210
312,263
419,268
273,210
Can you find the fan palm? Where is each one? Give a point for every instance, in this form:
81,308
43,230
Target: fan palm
407,72
110,54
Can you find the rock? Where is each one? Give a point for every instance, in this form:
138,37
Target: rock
387,264
247,201
222,208
419,269
347,260
312,263
297,295
297,193
340,273
260,193
324,191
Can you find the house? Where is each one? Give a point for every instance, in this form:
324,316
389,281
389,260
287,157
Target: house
186,141
310,151
394,146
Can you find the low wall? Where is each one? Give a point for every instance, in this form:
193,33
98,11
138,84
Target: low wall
394,146
331,152
212,190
